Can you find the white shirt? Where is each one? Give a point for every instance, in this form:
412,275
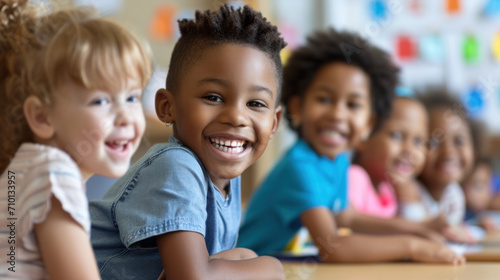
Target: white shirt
35,174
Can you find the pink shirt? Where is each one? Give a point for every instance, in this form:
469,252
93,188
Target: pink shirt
365,198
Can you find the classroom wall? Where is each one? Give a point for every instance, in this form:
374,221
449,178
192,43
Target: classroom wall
437,29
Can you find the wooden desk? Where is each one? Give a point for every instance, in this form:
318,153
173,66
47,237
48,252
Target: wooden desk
490,250
491,240
391,271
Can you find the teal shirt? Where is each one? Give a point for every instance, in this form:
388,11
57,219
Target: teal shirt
301,180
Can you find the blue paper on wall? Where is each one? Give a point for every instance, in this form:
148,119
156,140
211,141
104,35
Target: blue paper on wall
431,48
474,100
378,9
492,8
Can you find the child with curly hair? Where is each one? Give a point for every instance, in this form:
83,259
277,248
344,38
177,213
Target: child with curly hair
337,89
70,91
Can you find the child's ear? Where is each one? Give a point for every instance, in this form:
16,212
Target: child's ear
164,105
38,120
278,112
294,108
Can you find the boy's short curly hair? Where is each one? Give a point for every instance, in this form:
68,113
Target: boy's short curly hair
242,26
329,46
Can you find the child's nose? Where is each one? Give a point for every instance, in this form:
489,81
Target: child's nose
338,111
123,116
235,115
447,148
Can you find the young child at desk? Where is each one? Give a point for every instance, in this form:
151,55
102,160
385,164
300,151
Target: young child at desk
449,158
178,207
478,193
390,159
337,88
70,90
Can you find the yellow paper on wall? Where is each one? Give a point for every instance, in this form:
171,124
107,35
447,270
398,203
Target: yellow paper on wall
496,47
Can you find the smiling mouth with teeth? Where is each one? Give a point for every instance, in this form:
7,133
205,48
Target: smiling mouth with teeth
229,146
119,145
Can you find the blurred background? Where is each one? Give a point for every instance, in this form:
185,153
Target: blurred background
449,43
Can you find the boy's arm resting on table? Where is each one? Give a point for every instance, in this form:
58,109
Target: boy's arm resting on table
184,256
362,248
364,223
65,246
235,254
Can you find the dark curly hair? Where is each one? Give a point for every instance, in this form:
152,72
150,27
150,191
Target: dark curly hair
437,98
243,26
329,46
440,98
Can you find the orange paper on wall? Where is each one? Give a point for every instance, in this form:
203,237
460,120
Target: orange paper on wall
162,23
452,6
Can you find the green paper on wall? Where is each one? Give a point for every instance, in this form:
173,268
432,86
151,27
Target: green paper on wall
471,49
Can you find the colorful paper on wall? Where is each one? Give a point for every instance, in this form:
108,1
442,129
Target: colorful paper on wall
496,47
378,9
471,49
431,48
453,6
162,22
492,8
285,54
405,46
290,34
405,91
474,100
415,6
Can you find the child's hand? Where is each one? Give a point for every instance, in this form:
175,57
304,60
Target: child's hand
235,254
438,223
488,224
458,234
425,251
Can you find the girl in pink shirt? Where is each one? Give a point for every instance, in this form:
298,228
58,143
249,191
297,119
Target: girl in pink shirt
389,160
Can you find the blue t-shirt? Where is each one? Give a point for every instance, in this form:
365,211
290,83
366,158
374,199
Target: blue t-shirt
167,190
301,180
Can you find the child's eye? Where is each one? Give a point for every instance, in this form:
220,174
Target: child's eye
459,141
396,135
324,100
133,99
256,104
100,102
354,105
418,141
213,98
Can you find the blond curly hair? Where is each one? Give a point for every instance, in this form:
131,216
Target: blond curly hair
38,50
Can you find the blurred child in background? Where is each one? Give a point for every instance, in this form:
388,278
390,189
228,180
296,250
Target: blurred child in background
389,160
337,88
478,184
478,194
449,158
